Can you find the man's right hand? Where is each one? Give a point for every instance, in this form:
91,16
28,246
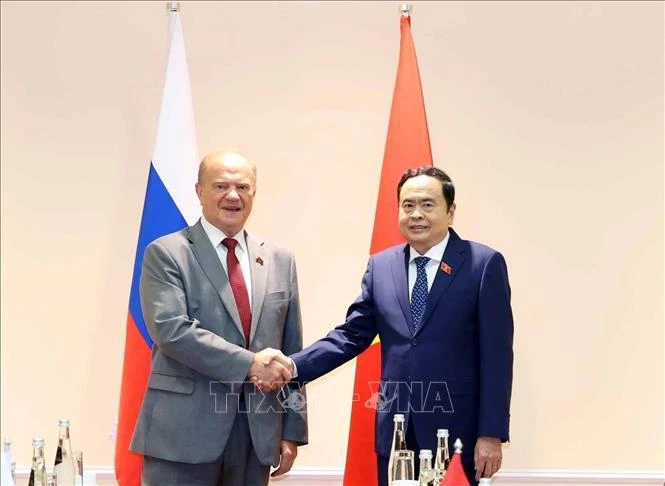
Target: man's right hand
270,370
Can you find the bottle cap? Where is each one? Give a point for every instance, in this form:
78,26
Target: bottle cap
425,453
399,417
442,433
485,482
37,442
63,423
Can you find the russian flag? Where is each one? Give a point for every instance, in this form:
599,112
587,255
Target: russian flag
170,205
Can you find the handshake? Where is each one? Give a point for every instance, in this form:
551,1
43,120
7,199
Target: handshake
270,370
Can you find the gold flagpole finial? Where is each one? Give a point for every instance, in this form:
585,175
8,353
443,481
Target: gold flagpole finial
173,6
406,9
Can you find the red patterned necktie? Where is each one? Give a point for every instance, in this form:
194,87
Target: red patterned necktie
238,286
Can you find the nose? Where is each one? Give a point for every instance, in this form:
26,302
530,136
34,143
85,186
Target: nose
416,214
232,194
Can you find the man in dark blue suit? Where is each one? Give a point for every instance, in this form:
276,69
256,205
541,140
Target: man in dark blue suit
441,307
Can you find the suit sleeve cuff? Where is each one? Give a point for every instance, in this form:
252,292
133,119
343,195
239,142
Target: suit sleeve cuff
295,368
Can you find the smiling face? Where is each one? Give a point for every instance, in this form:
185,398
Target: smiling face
226,189
424,215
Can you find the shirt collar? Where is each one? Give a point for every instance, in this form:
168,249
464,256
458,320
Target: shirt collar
215,235
435,253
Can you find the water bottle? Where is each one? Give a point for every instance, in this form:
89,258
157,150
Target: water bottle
426,472
442,460
399,442
63,467
38,471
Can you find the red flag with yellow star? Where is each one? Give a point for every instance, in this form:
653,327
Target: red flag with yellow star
407,146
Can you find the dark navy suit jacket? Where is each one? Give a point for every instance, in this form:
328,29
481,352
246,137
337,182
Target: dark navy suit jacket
455,371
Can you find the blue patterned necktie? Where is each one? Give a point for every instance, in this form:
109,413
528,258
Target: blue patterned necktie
419,293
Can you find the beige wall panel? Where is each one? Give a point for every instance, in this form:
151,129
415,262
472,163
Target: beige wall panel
548,116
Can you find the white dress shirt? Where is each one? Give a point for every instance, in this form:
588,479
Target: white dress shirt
435,255
216,236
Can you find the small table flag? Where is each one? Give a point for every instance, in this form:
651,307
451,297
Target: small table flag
455,474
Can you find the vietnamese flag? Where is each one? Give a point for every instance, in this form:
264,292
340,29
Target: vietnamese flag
407,146
455,475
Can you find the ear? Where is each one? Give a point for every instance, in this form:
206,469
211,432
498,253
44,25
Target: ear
199,190
451,213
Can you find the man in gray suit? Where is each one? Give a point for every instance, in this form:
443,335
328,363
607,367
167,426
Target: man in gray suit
212,296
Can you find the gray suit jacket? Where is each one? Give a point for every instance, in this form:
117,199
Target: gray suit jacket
199,360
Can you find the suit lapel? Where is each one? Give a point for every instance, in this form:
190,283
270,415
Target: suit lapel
207,256
401,282
454,258
258,265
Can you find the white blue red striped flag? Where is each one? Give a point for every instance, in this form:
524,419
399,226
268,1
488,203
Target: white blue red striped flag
170,204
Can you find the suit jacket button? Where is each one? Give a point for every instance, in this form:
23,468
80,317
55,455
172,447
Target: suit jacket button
414,342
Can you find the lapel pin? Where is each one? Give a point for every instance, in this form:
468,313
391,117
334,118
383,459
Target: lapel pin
259,260
446,268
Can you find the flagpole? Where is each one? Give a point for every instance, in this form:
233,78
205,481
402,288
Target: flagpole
406,9
169,205
407,145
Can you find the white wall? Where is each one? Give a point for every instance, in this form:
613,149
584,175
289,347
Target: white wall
548,116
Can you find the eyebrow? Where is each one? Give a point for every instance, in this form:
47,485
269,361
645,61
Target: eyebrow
241,183
424,199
